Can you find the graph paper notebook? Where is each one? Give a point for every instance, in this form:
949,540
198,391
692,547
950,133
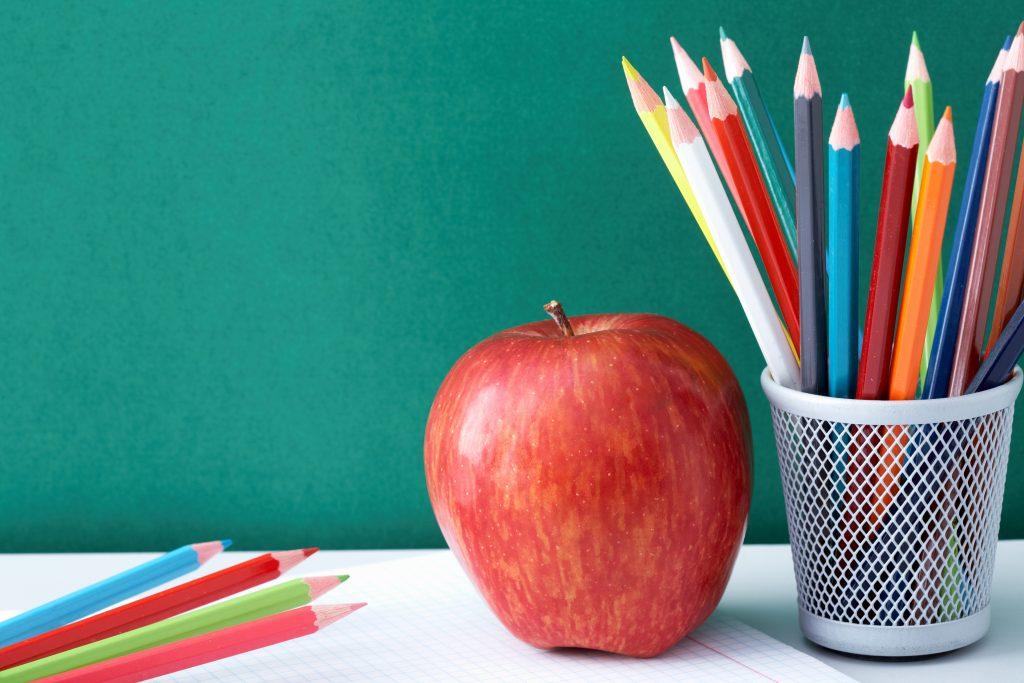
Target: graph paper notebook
425,621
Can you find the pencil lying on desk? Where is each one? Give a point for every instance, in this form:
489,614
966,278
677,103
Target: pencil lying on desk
750,288
752,195
922,264
775,167
199,650
843,245
154,608
974,319
890,244
810,223
241,609
105,593
936,383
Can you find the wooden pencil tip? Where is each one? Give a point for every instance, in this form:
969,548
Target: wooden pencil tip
942,148
328,614
908,98
709,73
670,102
805,49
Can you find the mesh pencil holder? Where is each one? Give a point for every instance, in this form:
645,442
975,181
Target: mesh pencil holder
893,512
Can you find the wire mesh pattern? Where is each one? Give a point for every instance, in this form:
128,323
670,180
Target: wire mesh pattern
893,525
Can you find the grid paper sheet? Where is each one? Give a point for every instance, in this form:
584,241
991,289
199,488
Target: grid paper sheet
425,621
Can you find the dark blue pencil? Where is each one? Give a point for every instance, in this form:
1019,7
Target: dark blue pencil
1004,355
936,384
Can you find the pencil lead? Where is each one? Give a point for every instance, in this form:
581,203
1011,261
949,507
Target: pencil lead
1007,43
948,114
805,49
709,73
904,127
908,98
917,70
844,101
914,41
309,551
631,73
721,34
226,543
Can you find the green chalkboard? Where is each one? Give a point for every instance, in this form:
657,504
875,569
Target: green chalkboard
242,242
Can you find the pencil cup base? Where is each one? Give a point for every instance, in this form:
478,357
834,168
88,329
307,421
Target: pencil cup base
894,641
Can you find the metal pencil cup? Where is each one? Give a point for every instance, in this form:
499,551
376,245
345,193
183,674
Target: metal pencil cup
893,511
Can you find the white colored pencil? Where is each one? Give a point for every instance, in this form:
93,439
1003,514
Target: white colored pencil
739,262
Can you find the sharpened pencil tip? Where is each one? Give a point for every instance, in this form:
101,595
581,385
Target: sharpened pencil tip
1007,43
908,98
342,578
948,114
309,551
631,73
1020,29
805,49
914,41
721,34
225,543
670,102
709,73
844,101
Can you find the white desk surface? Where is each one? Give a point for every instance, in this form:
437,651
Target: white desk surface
761,593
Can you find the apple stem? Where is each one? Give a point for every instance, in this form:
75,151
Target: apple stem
554,309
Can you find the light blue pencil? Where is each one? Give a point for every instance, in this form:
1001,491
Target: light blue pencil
843,241
102,594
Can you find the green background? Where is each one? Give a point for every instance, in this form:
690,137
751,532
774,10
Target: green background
241,243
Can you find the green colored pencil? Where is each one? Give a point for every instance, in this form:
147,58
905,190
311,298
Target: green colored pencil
771,157
214,617
920,83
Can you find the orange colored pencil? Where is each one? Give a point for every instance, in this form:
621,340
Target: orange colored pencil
753,196
923,262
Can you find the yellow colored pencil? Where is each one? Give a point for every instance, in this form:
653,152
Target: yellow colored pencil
651,111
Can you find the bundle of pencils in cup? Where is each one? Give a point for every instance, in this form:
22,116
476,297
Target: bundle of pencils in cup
174,629
924,334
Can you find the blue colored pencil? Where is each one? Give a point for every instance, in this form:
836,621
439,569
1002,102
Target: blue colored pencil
102,594
843,241
936,383
1004,354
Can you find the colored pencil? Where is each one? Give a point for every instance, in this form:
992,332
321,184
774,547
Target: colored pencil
199,650
692,82
937,380
750,288
1004,355
775,166
974,320
752,195
843,244
918,80
154,608
1011,279
810,221
213,617
922,263
102,594
652,114
890,244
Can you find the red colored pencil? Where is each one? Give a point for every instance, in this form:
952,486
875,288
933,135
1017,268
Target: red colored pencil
970,339
209,647
154,608
695,91
890,244
1011,279
752,195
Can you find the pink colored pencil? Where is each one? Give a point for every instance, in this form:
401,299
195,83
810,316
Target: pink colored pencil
209,647
695,90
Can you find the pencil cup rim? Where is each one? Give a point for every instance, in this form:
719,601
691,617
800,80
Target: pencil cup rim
924,411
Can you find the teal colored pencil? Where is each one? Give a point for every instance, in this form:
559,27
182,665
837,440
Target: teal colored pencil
843,241
764,138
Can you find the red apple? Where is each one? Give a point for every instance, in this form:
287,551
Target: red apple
593,478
